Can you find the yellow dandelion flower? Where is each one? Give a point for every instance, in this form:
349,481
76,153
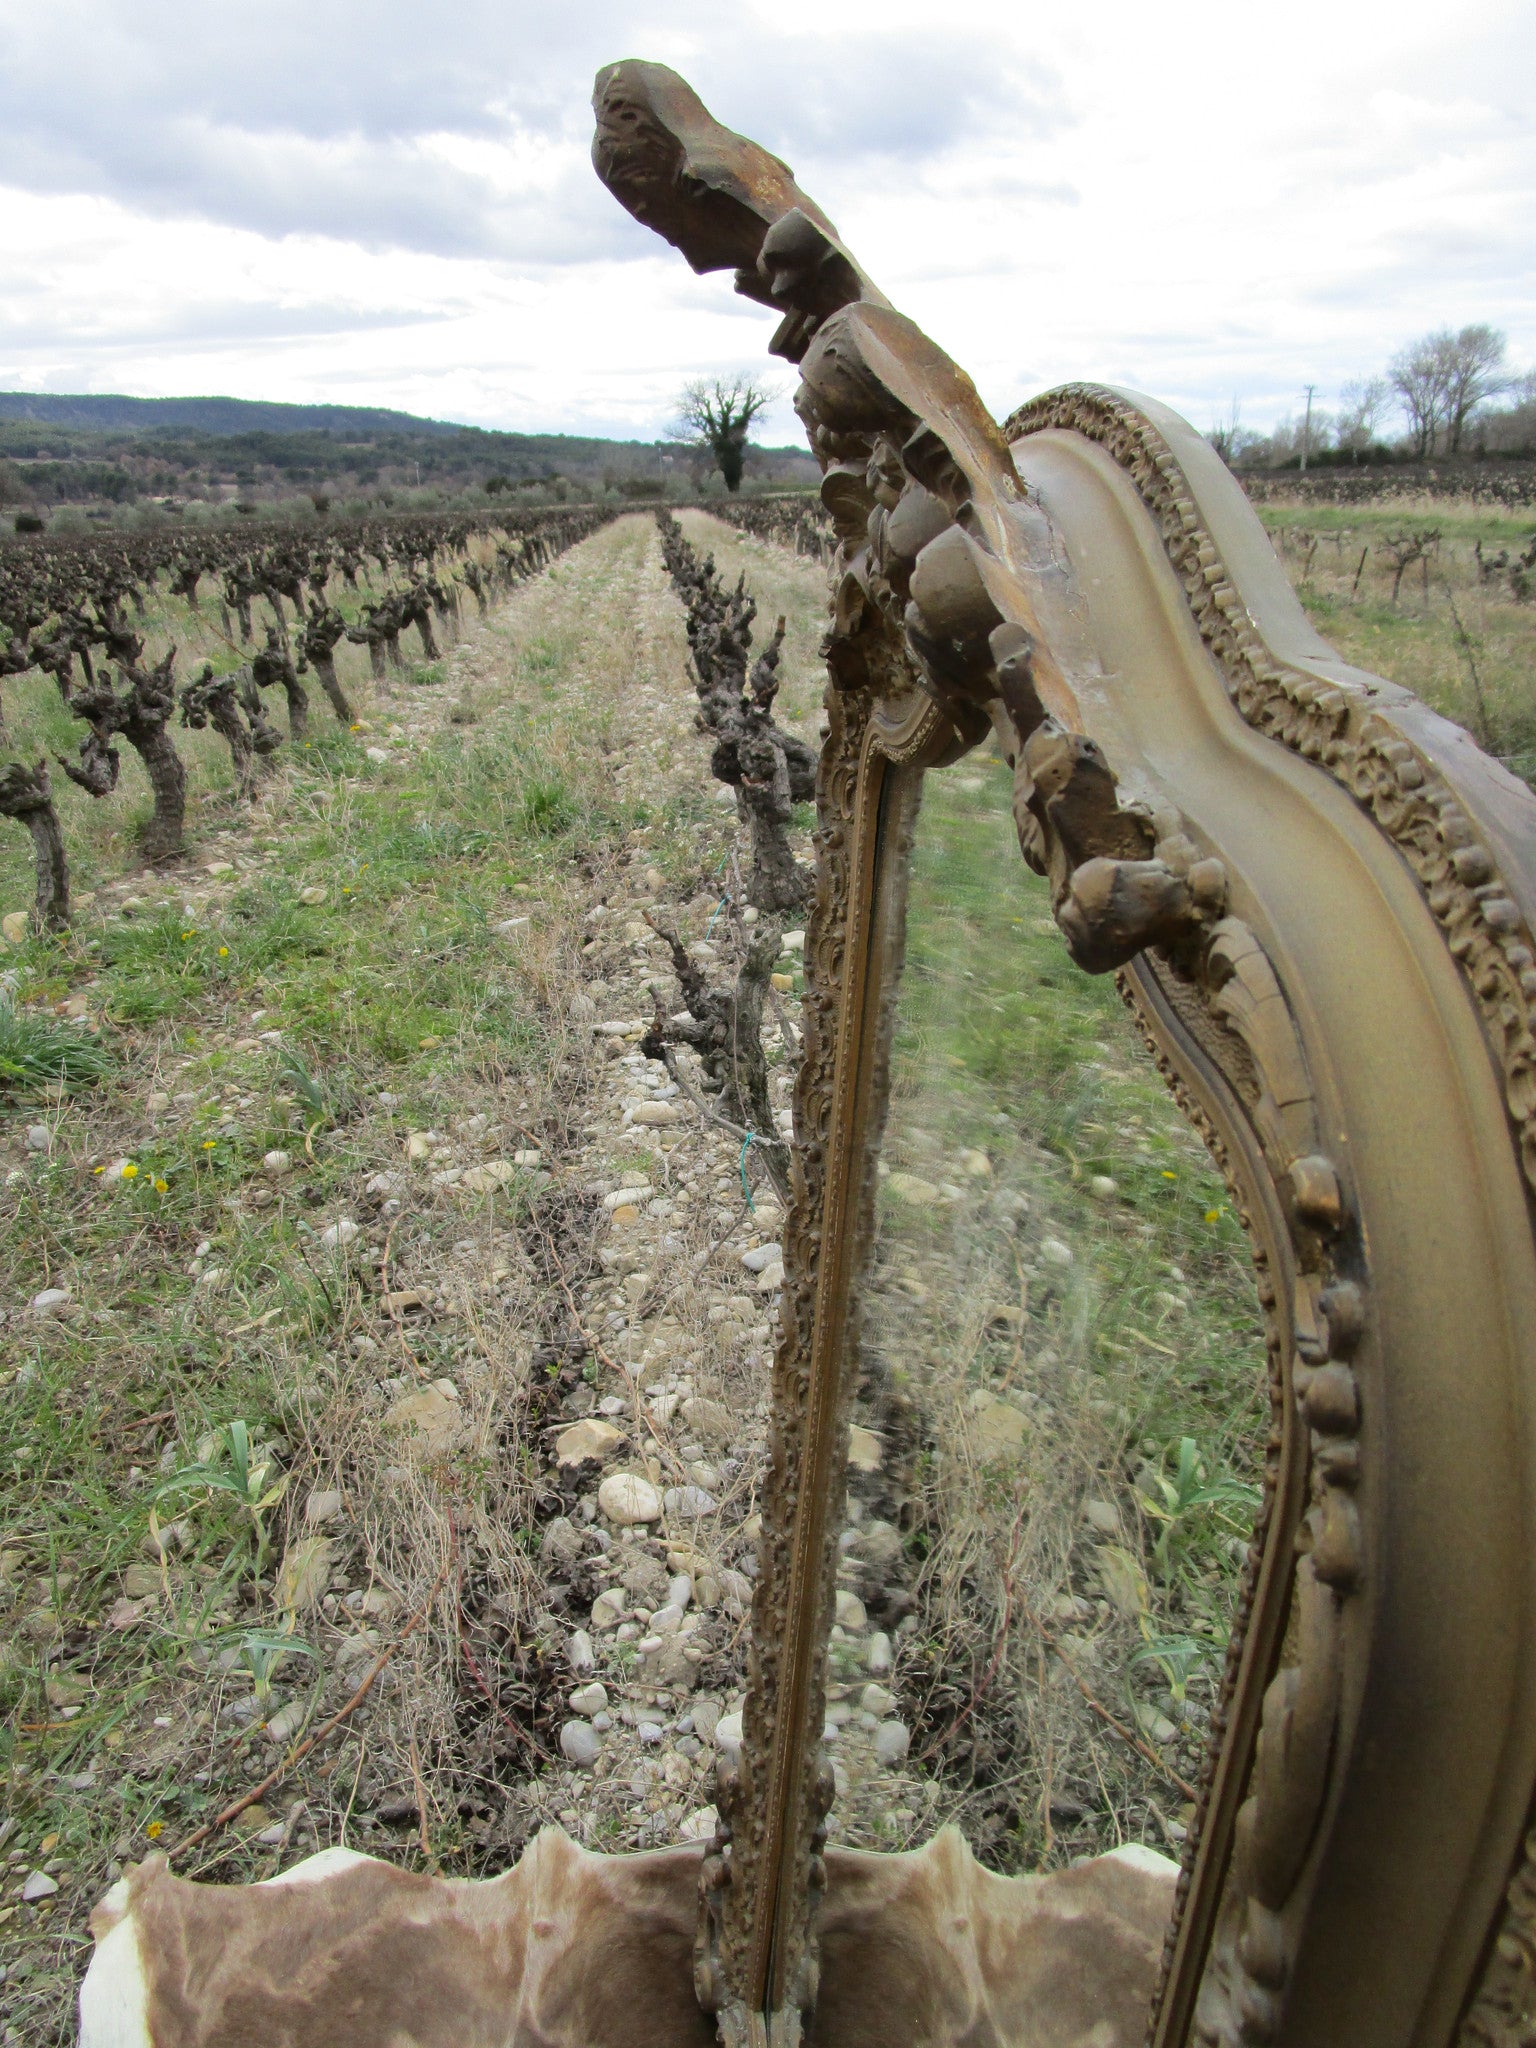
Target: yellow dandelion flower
130,1171
223,952
186,935
155,1830
209,1144
162,1187
1169,1176
98,1169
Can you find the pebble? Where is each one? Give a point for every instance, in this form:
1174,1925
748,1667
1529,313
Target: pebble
698,1826
484,1180
588,1700
313,894
793,942
341,1232
626,1498
875,1699
865,1450
911,1187
38,1885
286,1722
580,1743
1102,1516
655,1113
322,1506
1054,1252
726,1733
689,1501
625,1198
50,1300
762,1256
39,1138
418,1146
892,1741
850,1609
1102,1187
877,1654
579,1653
276,1162
976,1164
588,1439
608,1608
705,1718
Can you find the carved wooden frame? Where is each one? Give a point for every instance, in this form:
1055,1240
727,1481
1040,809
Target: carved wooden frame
1319,898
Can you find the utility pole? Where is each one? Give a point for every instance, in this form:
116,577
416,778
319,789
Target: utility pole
1306,430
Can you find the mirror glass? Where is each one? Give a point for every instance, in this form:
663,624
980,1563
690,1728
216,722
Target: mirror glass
1062,1401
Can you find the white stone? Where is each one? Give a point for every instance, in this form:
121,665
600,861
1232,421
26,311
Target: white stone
579,1653
50,1300
698,1826
850,1610
1102,1188
588,1700
38,1885
892,1741
727,1734
793,942
418,1146
911,1187
1054,1252
39,1138
275,1162
580,1743
527,1158
322,1507
341,1232
623,1198
770,1278
689,1502
865,1449
762,1256
626,1498
976,1164
877,1654
667,1620
286,1722
876,1700
484,1180
679,1591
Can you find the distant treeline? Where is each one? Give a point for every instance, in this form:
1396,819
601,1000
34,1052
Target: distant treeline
1510,483
60,450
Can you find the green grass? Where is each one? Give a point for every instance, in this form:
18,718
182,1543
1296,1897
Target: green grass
1484,674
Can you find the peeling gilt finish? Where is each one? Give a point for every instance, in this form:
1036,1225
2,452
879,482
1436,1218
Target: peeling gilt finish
1319,899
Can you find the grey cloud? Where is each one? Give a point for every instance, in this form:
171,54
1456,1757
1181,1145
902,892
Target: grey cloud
285,117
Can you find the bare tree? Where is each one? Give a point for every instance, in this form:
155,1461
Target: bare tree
1474,372
1361,406
1419,375
1442,379
716,413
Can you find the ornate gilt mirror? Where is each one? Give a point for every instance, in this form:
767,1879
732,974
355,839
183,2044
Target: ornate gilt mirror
1063,1728
1316,897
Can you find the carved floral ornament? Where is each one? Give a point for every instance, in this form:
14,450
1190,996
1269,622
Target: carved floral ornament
1319,899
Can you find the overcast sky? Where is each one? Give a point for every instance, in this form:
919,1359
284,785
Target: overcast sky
383,203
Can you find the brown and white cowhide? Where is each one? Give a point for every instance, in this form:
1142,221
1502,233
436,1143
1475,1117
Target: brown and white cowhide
573,1950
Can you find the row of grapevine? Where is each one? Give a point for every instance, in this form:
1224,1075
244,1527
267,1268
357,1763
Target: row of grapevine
65,613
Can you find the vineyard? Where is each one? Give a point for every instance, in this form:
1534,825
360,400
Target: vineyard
397,1099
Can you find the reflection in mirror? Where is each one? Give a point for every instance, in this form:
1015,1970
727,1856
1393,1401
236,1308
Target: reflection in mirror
1062,1402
